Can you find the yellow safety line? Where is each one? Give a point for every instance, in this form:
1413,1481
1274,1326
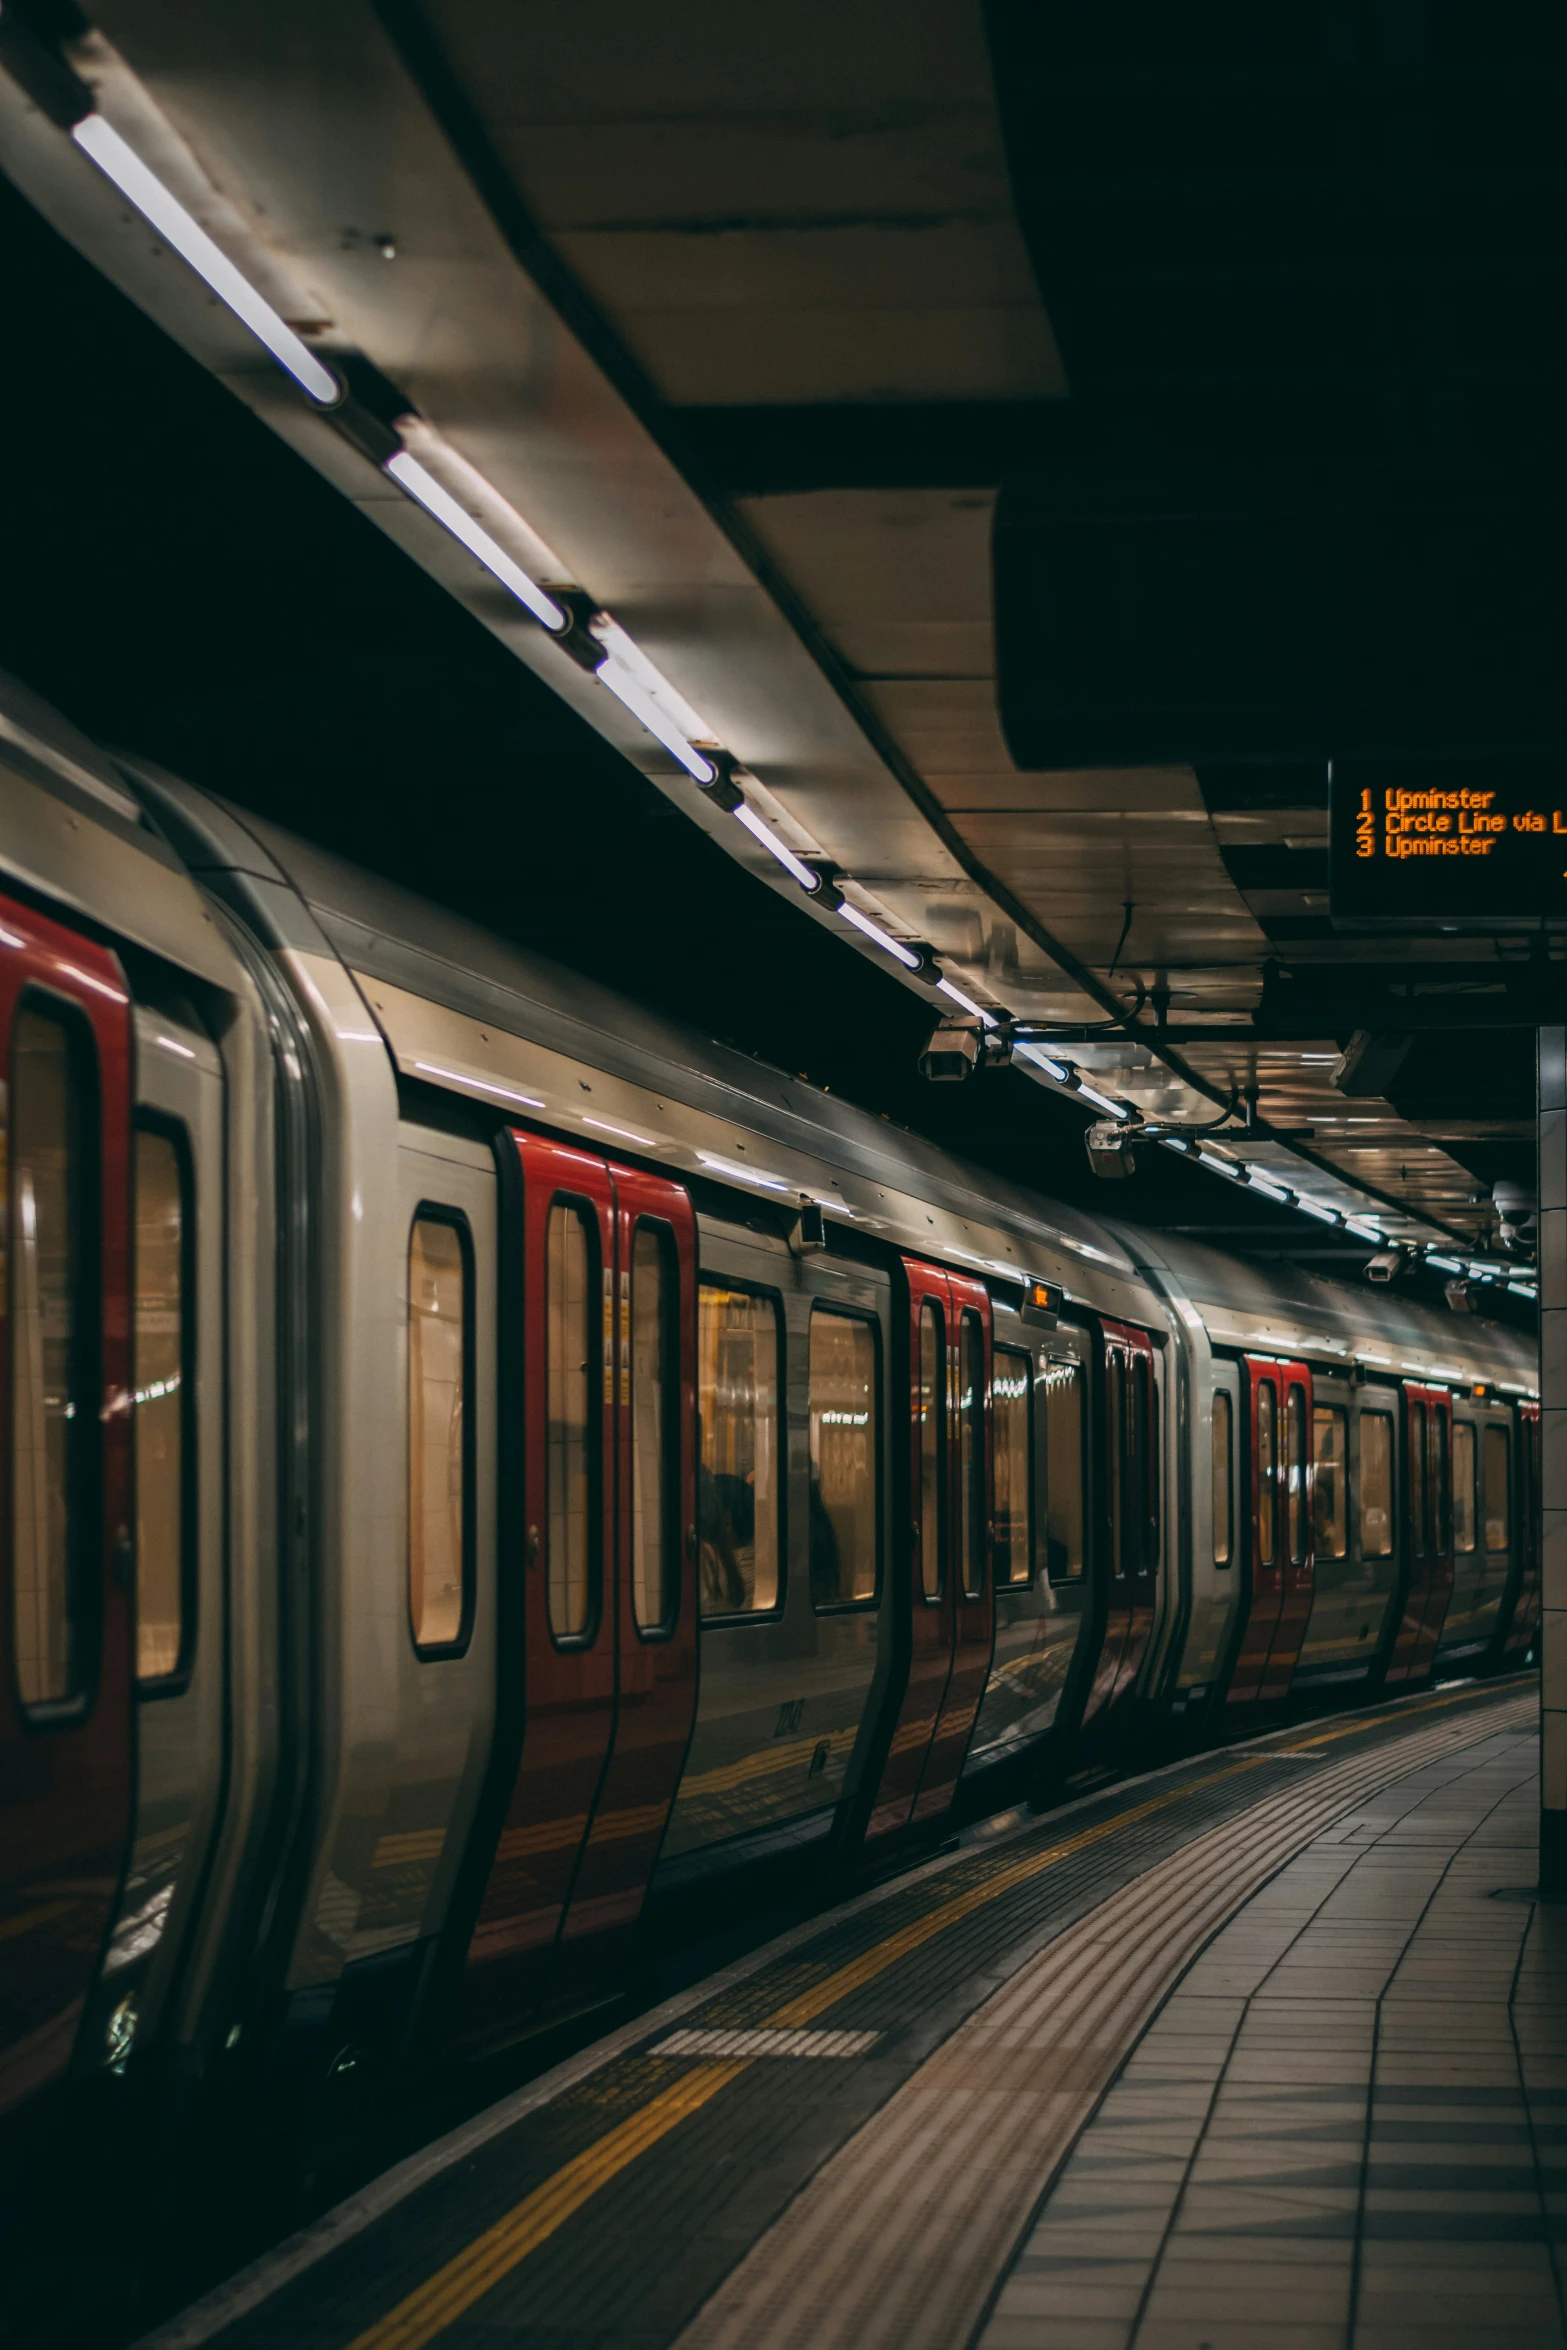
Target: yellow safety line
442,2298
471,2273
1347,1729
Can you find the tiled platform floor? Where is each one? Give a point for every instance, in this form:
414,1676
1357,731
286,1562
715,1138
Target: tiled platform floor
1348,2129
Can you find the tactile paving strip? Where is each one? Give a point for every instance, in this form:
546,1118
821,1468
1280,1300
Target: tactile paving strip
614,2212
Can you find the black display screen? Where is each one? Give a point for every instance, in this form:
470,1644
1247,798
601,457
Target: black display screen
1461,845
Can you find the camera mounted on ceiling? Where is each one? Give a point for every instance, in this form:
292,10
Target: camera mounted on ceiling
1112,1147
961,1045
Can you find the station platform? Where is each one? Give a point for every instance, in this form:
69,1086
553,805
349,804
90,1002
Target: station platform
1266,2048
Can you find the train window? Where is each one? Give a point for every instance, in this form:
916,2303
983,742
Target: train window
1497,1513
569,1388
1115,1454
162,1402
655,1471
1376,1485
930,1406
1463,1485
1329,1481
737,1395
1417,1479
1295,1473
1011,1388
971,1452
845,1417
1267,1471
1064,1435
440,1474
1223,1476
51,1405
1438,1498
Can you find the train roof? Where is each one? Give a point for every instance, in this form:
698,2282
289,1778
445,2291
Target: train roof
1284,1310
388,934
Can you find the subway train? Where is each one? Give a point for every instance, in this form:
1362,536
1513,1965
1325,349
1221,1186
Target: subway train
490,1474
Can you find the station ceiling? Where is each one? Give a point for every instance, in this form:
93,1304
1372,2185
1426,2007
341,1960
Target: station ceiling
751,313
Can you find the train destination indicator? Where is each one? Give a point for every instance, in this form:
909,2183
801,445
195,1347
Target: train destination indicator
1468,848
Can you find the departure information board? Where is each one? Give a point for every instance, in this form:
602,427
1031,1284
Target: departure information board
1462,847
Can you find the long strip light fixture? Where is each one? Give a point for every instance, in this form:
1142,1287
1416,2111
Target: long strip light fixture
162,210
421,485
621,667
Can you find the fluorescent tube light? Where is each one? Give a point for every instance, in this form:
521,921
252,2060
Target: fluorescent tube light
1102,1101
1269,1189
1315,1207
630,655
118,162
805,875
1522,1289
1363,1228
634,695
411,476
1443,1264
879,937
1043,1060
1218,1166
966,1003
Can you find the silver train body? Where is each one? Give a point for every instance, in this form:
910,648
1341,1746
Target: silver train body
393,1637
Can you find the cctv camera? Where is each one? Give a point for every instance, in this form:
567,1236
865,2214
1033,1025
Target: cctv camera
952,1054
1384,1264
1110,1149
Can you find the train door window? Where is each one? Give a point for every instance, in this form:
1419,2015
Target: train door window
845,1416
1329,1481
1497,1513
1223,1476
1376,1485
160,1389
440,1437
1463,1485
1438,1495
931,1409
1417,1479
1145,1464
737,1397
1267,1471
655,1474
1115,1454
570,1453
51,1386
1064,1481
1295,1484
1011,1388
971,1452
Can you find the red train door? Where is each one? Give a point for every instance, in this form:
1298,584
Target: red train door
66,1513
951,1604
655,1614
970,1483
1130,1517
609,1481
1279,1545
1428,1533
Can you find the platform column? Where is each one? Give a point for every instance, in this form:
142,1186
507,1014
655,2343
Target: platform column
1553,1458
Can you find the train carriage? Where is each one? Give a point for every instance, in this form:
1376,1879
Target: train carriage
489,1475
